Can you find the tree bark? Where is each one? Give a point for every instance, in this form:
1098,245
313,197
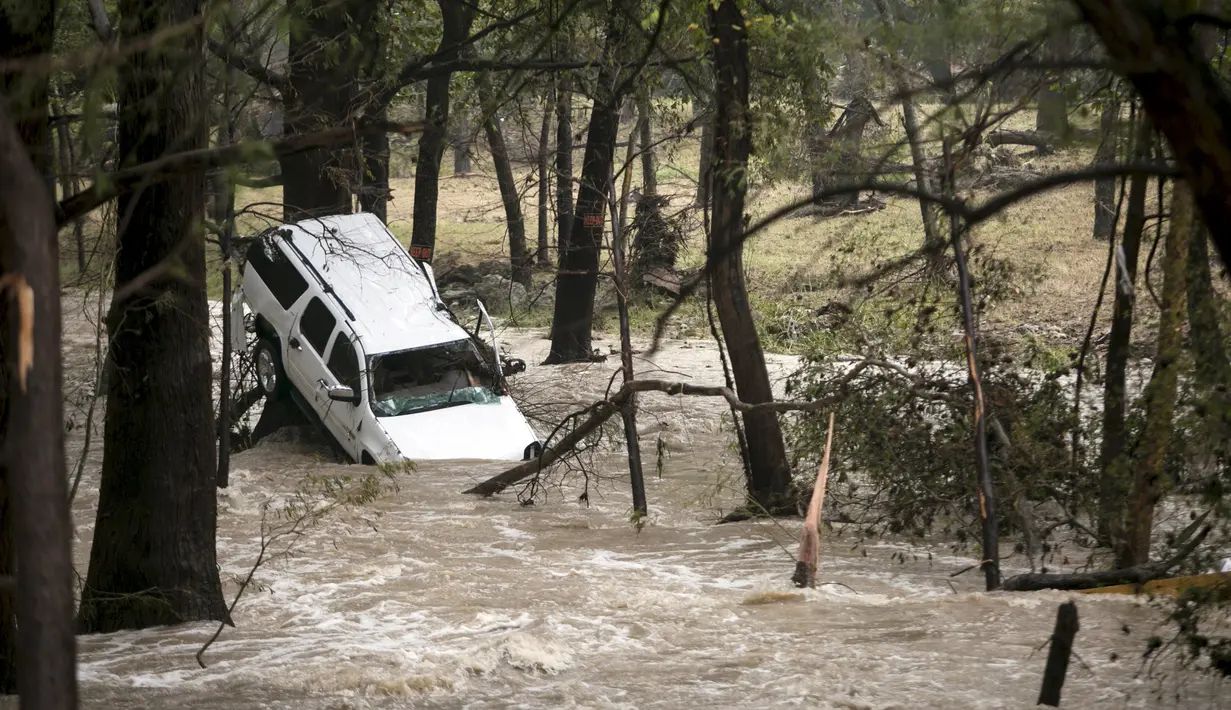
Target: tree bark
34,442
769,473
1211,366
1105,188
26,31
564,168
1113,461
153,561
1058,655
323,66
838,154
1043,142
456,16
706,161
543,255
577,279
1166,63
1151,449
1053,114
374,193
461,144
649,171
518,254
69,186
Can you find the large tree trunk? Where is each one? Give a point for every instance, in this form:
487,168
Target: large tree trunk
515,222
1113,460
838,155
564,168
543,254
153,561
457,16
323,70
769,473
1105,188
35,525
1053,112
1151,449
577,279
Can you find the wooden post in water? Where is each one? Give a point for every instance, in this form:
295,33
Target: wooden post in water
1058,656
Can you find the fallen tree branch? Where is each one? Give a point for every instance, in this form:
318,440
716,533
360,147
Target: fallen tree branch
122,181
1139,574
602,411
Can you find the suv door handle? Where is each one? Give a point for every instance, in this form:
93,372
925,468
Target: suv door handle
294,342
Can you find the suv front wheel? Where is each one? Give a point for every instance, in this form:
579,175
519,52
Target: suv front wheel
269,373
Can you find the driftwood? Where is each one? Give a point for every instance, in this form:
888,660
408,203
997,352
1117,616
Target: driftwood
1058,655
810,537
600,412
1139,574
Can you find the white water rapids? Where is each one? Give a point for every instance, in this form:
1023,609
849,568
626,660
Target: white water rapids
452,601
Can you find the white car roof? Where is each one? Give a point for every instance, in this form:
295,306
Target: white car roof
390,297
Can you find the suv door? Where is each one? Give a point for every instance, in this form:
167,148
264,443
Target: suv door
310,335
346,416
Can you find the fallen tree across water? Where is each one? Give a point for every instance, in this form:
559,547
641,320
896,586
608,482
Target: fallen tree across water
1138,574
599,412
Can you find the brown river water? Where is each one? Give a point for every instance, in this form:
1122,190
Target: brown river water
429,598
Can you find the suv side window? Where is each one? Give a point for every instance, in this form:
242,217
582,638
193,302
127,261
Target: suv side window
317,325
344,362
276,270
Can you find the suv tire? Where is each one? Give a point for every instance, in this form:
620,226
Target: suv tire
270,376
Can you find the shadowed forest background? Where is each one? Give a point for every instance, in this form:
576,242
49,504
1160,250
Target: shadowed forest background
989,237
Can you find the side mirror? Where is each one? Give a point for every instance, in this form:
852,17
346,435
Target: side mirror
513,365
342,393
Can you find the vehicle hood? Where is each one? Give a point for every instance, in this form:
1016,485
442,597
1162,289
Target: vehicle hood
485,432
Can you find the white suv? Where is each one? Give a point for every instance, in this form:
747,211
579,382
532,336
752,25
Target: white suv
353,330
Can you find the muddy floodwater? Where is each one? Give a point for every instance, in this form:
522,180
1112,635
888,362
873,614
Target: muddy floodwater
429,598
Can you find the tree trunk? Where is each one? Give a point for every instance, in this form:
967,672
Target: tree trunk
544,156
628,411
931,230
461,144
34,443
323,65
769,473
1113,462
564,169
457,16
1211,367
516,223
68,183
706,162
1053,114
153,561
578,275
839,154
1105,188
649,171
1151,449
35,522
374,193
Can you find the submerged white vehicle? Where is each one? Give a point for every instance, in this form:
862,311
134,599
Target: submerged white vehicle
353,330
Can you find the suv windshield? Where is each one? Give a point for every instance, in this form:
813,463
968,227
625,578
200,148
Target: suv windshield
428,378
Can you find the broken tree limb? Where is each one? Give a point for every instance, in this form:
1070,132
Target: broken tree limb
601,411
810,536
1042,141
1140,574
1058,655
